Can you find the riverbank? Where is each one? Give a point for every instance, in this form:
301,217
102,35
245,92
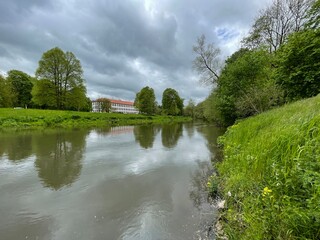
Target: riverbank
35,118
270,174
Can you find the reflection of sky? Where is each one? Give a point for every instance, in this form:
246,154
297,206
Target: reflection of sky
124,191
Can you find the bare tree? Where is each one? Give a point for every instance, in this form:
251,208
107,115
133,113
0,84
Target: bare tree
207,62
274,24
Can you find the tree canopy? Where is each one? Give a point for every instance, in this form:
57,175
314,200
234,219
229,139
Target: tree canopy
145,101
172,104
21,85
6,94
298,69
63,70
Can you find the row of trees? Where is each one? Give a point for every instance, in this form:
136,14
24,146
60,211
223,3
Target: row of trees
172,104
58,84
278,63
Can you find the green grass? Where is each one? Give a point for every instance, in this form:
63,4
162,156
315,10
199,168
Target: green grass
271,168
34,118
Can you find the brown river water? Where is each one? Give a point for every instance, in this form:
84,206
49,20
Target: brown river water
129,182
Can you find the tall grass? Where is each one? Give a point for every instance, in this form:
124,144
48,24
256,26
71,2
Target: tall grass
33,118
270,175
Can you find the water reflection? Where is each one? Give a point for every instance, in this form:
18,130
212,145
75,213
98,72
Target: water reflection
26,227
58,157
145,135
17,146
123,183
199,179
189,127
170,134
211,134
113,131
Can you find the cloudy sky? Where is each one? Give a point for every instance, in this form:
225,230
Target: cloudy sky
127,44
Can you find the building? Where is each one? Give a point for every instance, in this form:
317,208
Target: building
117,106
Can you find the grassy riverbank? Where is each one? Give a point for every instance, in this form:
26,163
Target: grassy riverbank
270,175
33,118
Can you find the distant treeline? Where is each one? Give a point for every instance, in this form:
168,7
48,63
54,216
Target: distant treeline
58,84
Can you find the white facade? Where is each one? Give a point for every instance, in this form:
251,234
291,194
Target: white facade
117,106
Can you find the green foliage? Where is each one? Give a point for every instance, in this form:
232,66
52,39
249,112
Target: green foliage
189,110
145,101
245,88
35,118
76,99
314,16
213,185
64,71
43,93
21,87
172,104
270,174
6,95
298,69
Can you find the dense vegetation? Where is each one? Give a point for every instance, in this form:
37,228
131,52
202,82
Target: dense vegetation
278,63
270,175
34,118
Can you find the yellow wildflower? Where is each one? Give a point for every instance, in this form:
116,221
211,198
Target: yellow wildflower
266,191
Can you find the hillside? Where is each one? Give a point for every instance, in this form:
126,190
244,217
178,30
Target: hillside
270,175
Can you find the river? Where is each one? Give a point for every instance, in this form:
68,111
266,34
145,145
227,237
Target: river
127,182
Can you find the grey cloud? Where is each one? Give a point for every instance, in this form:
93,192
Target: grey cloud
123,45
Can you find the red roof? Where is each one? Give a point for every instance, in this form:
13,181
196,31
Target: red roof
121,102
118,102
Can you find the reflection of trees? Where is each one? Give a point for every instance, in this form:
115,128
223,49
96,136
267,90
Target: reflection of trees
170,134
211,133
189,127
199,178
17,145
58,157
145,135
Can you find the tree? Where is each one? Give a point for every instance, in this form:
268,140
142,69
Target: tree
105,104
21,86
314,16
172,104
43,94
64,71
275,23
190,109
6,94
298,65
245,88
145,101
76,98
207,62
